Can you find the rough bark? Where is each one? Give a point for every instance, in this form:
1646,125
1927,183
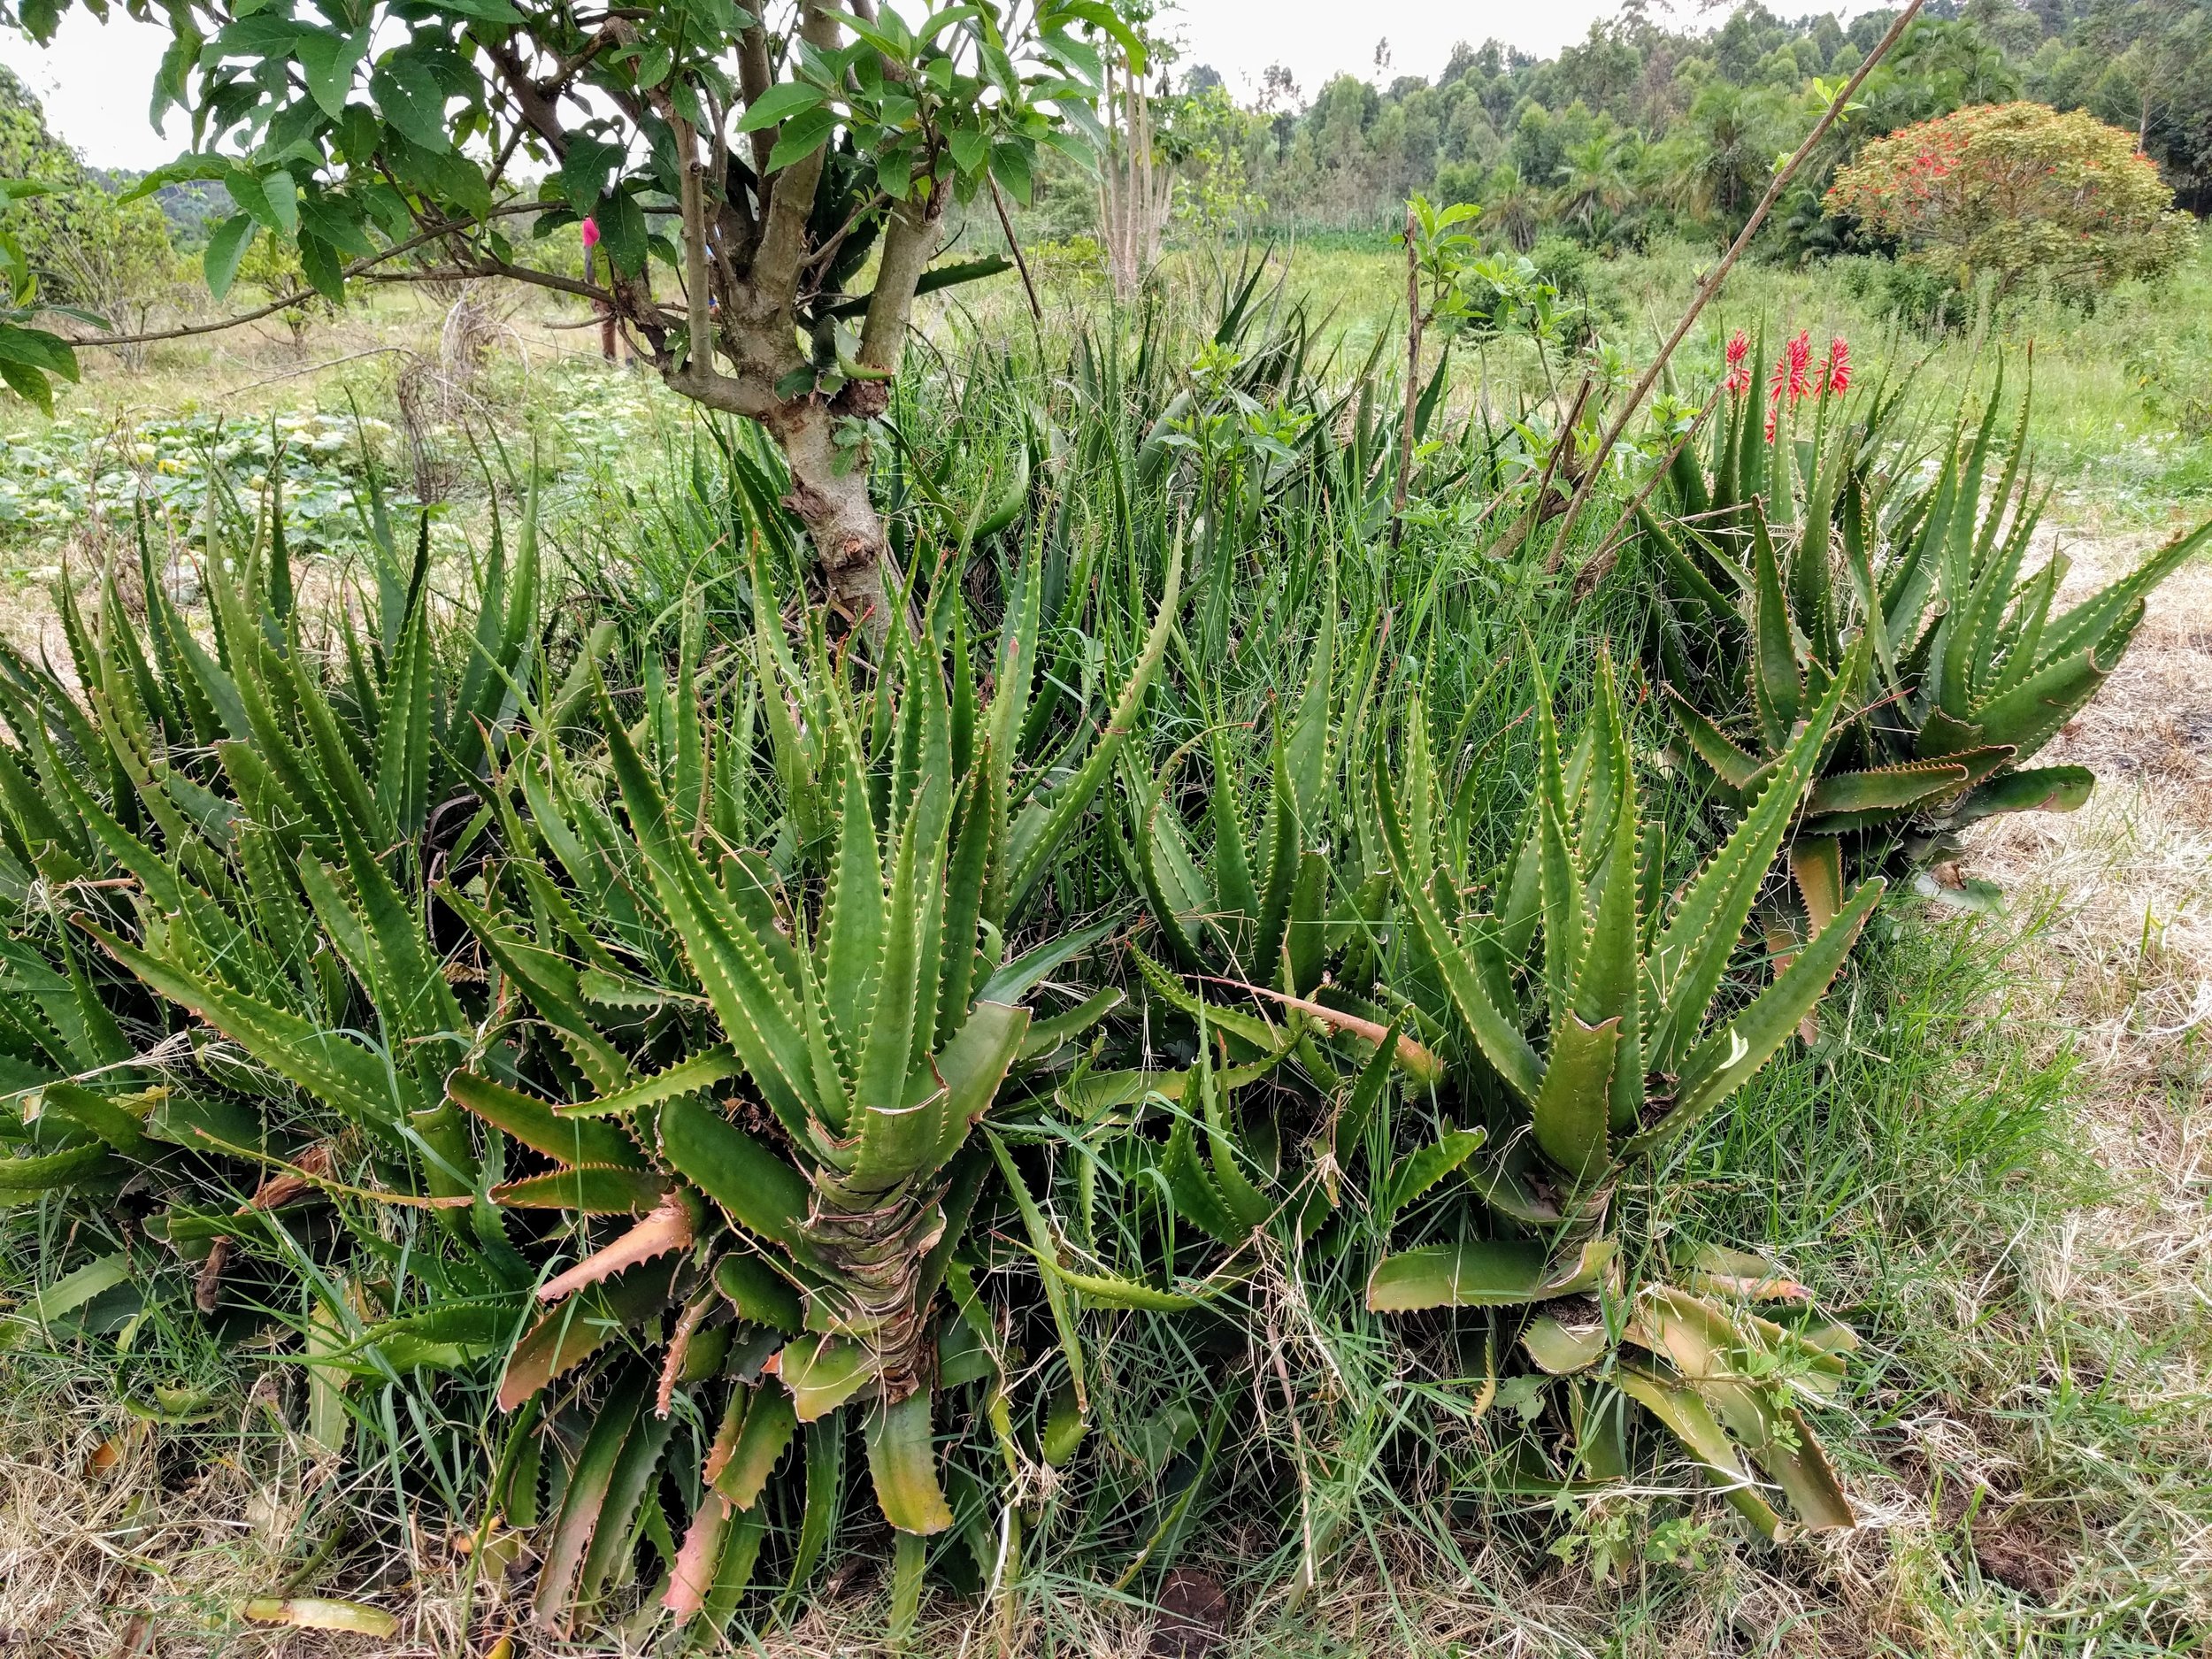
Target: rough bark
841,518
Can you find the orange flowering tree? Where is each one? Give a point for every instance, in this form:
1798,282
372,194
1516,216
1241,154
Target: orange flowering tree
2020,191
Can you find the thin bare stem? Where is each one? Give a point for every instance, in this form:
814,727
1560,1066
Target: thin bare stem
1711,286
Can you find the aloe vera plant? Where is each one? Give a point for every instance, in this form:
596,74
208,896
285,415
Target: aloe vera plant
1616,1053
236,831
849,982
1971,668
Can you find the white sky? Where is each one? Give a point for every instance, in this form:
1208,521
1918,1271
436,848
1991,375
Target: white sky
97,79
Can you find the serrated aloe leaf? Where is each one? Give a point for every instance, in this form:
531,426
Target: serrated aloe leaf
975,839
755,1006
581,1326
1572,1108
1693,950
2038,789
903,1461
1817,866
771,1420
854,926
754,1186
822,1372
336,1069
1414,1174
586,1499
2029,715
1691,1421
758,1293
903,1143
686,1077
1710,745
596,1189
25,1180
1728,1057
1482,1274
1107,1291
535,1124
633,1473
2087,624
1561,1349
549,981
1045,1036
1775,680
101,1116
1037,835
1498,1038
1889,788
1559,870
824,1487
669,1227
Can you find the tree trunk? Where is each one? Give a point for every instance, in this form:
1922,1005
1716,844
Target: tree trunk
840,517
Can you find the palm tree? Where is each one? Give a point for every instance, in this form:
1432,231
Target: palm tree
1594,183
1513,207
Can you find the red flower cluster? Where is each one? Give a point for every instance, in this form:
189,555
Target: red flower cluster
1739,380
1794,378
1837,375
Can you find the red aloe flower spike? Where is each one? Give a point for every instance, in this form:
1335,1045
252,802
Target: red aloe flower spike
1739,380
1839,375
1800,357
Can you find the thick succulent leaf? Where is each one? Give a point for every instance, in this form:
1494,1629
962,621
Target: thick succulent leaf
534,1122
1037,835
823,1372
1562,1349
669,1227
754,1186
2089,624
549,981
586,1498
581,1326
2038,789
2029,716
760,1295
1693,950
1499,1037
596,1189
1889,788
1573,1107
631,1477
1482,1274
1691,1421
25,1180
336,1069
686,1077
1817,866
771,1421
1777,680
903,1461
1710,744
751,999
1414,1174
1729,1056
904,1143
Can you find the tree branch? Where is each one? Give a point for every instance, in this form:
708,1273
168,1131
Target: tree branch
302,296
910,242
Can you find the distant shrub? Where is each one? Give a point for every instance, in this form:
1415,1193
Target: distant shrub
2019,194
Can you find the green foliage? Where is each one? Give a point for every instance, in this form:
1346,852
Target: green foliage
1805,562
2018,192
